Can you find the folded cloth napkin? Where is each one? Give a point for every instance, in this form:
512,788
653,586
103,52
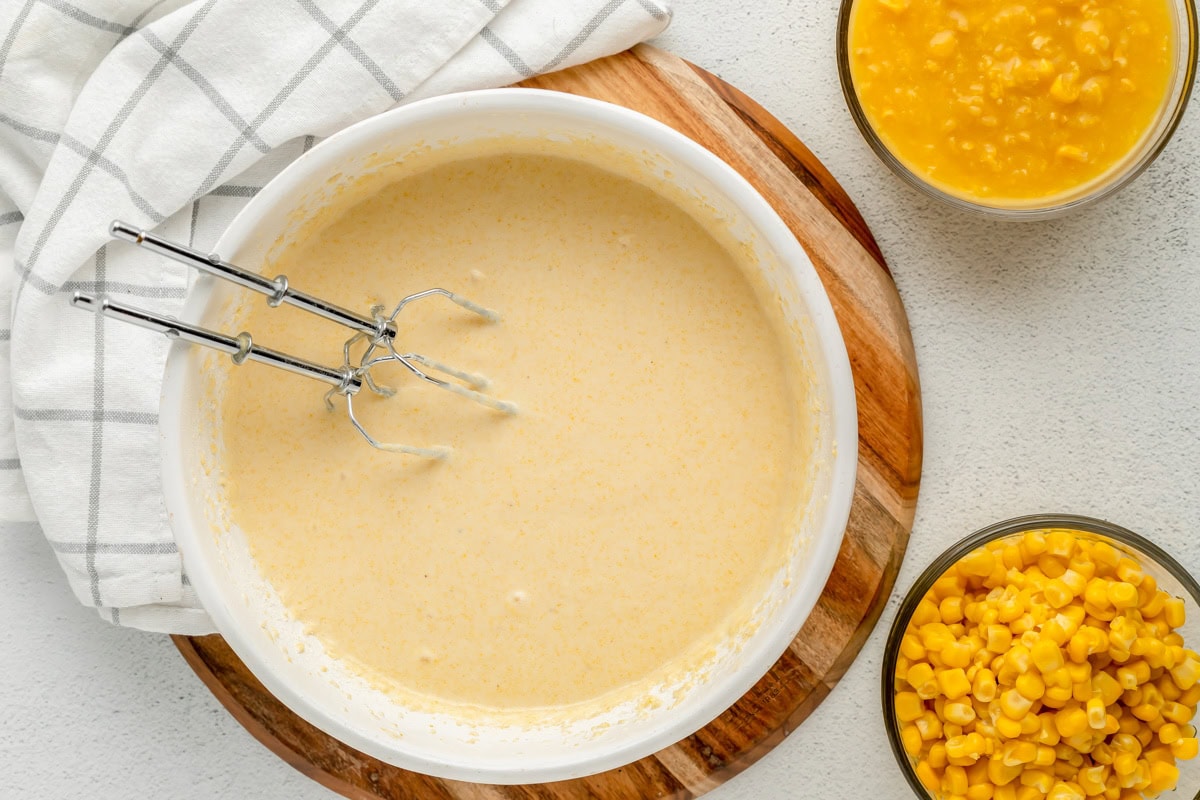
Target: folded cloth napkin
170,114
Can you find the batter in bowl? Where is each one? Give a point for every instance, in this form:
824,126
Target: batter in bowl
608,535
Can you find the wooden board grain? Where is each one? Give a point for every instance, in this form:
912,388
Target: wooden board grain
874,326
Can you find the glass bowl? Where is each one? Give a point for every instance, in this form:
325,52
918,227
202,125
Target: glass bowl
1171,576
1152,143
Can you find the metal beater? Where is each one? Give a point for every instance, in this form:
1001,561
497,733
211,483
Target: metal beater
377,331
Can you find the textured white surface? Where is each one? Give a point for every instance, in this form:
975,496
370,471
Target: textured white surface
1060,365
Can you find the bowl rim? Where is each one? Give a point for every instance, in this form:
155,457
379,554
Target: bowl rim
951,555
760,654
1190,29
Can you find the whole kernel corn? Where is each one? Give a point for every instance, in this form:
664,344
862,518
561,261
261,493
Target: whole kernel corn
1047,667
1046,656
1185,748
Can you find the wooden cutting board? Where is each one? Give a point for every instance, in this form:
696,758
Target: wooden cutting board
873,323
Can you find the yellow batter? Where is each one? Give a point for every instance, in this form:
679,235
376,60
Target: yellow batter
626,519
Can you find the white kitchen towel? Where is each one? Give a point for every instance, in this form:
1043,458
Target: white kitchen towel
170,114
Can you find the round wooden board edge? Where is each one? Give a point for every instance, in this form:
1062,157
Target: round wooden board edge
799,160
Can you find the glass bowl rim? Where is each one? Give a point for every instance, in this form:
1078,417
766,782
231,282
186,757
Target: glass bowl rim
1149,150
951,555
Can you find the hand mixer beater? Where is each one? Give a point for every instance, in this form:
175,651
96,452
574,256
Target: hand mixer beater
375,333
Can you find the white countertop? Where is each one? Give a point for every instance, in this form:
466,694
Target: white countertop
1060,365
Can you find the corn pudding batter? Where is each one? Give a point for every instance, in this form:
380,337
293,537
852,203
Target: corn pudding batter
1010,101
622,523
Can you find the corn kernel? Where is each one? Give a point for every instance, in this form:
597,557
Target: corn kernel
1159,752
1065,791
1185,748
1050,566
928,776
949,585
1044,756
1081,742
1126,743
1046,656
1163,776
1077,647
999,638
1129,724
983,688
980,791
1151,696
1096,714
1014,705
1056,592
925,612
1147,590
1177,713
951,609
1096,593
1122,594
909,706
978,563
1071,721
1153,606
1133,674
936,757
1107,687
1018,658
954,780
965,746
1073,579
936,636
1129,572
1124,763
1000,773
1008,728
1009,610
1091,780
957,654
959,713
1058,629
1057,696
1016,753
910,737
1174,612
922,679
1039,779
1080,673
1186,674
1033,543
1155,654
1048,733
1060,543
929,725
1030,685
911,647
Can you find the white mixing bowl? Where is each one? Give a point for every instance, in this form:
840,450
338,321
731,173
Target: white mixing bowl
246,609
